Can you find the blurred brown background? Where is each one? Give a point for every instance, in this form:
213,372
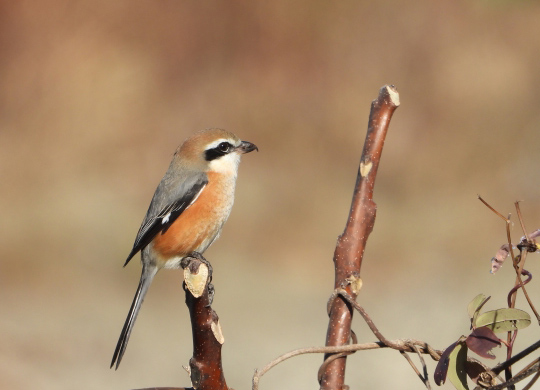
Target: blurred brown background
95,97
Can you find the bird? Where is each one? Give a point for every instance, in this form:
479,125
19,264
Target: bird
187,212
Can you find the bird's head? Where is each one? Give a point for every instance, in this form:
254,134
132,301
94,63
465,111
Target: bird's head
214,150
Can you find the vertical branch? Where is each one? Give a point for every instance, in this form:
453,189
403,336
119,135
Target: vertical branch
205,369
205,366
352,242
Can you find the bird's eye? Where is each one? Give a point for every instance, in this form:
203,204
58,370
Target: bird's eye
224,147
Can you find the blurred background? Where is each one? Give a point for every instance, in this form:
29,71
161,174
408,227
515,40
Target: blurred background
95,97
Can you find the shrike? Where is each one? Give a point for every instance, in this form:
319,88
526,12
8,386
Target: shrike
187,212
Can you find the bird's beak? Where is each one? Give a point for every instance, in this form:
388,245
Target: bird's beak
246,147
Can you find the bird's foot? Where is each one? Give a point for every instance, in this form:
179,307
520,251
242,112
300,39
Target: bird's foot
197,256
211,293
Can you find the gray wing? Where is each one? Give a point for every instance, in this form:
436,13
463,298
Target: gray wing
170,200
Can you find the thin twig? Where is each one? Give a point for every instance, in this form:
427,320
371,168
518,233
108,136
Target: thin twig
405,345
507,221
424,377
533,381
509,238
428,385
518,264
517,357
525,293
522,262
330,358
518,210
364,315
402,345
517,287
391,344
528,366
410,344
408,358
337,349
491,208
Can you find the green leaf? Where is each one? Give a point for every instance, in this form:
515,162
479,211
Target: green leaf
504,320
456,367
475,304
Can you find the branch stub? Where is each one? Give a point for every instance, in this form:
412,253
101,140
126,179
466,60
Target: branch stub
196,282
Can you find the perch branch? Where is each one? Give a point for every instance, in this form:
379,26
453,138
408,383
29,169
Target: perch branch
205,368
206,371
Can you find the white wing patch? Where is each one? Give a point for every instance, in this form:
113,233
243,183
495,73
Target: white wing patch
165,219
196,196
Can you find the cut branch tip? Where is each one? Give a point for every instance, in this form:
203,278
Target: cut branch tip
393,94
196,282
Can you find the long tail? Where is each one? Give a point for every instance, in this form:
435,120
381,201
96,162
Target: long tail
147,276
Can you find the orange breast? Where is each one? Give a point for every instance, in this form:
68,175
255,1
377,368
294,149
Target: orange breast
198,226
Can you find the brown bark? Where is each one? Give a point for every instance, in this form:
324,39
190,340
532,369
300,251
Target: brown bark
206,369
352,242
